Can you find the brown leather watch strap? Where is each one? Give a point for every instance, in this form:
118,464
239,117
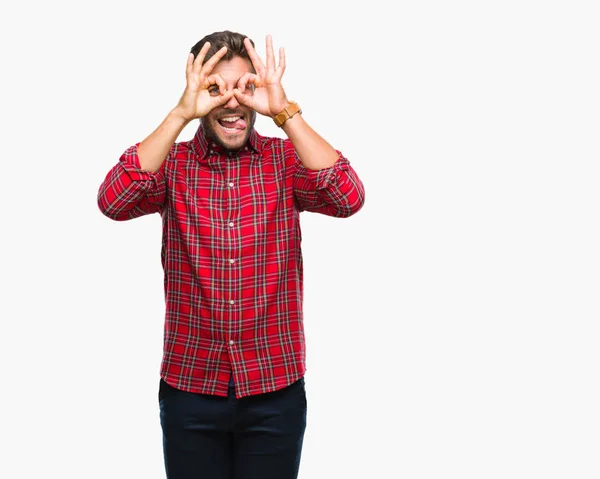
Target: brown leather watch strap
287,113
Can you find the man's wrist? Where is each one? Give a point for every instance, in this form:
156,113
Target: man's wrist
288,112
177,116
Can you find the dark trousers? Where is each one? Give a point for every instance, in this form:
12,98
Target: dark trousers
212,437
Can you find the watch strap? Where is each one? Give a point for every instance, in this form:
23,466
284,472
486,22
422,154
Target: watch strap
287,113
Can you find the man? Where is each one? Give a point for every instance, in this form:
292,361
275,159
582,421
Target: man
232,397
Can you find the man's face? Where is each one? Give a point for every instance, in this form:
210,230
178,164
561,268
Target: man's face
229,125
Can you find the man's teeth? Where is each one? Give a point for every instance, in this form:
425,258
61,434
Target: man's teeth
231,118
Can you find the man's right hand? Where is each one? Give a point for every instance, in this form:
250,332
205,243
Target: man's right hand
197,99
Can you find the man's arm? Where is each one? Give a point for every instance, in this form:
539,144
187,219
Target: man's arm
195,102
334,190
324,182
136,185
314,152
128,191
155,148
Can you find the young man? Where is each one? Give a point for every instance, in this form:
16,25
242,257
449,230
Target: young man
232,397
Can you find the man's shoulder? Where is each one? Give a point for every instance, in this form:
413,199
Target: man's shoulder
275,143
180,150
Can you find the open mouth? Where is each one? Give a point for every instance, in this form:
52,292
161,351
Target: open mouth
232,125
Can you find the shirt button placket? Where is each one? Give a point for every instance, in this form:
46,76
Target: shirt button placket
230,185
231,205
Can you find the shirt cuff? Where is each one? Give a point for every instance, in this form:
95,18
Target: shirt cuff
323,179
130,162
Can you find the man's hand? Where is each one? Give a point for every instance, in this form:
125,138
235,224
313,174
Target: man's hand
203,91
268,97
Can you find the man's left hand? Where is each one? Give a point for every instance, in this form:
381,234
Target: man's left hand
268,97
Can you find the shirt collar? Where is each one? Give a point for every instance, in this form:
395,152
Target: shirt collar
204,148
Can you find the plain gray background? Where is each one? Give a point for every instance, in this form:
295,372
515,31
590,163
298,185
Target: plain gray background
452,324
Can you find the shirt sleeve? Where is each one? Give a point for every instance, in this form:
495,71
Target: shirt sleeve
334,191
128,191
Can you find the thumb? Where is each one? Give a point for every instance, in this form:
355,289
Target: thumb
224,98
243,99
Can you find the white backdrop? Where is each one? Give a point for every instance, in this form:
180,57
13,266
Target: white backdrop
452,324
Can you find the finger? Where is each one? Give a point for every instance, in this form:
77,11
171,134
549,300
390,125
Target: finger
222,99
245,100
200,57
256,61
245,79
270,56
281,66
189,65
216,79
210,64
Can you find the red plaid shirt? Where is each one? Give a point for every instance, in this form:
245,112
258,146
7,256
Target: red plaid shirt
231,255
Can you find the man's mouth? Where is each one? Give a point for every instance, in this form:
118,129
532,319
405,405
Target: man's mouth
232,124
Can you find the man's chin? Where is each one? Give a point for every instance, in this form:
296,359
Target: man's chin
237,137
229,140
232,144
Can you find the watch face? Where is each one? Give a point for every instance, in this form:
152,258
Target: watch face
287,113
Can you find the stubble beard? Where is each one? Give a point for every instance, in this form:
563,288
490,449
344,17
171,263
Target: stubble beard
211,134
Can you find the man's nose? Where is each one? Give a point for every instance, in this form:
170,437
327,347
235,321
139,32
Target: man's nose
232,103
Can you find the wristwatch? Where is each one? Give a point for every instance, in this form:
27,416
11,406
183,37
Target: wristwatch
287,113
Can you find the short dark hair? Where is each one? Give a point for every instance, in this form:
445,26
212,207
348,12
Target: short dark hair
232,40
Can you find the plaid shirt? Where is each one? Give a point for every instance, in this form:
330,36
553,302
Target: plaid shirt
231,255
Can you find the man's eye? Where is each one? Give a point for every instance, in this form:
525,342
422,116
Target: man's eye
249,89
213,90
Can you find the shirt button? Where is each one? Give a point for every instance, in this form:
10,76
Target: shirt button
231,185
231,261
231,224
231,301
231,343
